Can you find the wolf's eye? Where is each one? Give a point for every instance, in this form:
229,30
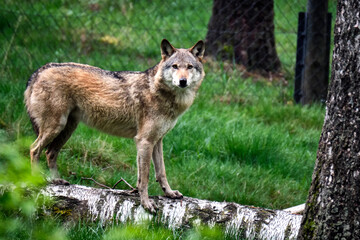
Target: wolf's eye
190,67
175,66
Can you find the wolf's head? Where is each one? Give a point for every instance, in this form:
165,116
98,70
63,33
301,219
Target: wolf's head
182,68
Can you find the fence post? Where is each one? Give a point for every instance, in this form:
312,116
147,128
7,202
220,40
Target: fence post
300,55
314,83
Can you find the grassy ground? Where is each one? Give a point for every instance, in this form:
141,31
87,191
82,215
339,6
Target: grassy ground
243,140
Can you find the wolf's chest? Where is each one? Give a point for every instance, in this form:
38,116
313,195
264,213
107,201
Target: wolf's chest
166,125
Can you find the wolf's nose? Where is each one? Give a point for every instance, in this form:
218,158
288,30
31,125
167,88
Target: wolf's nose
182,82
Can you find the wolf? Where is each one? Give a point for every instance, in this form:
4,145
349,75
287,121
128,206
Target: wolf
132,104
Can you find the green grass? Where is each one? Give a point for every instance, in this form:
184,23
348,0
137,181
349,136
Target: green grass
243,140
146,231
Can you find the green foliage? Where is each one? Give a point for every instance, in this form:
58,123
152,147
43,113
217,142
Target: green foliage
19,196
138,232
150,230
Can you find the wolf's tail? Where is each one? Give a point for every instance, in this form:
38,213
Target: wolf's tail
28,93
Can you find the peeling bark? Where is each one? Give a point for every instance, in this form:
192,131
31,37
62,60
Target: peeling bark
120,206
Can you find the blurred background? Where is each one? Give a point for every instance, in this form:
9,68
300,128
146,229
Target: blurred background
128,33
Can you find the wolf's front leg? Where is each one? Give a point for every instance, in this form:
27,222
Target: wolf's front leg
144,151
160,171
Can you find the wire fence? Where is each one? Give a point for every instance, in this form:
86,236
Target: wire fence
123,35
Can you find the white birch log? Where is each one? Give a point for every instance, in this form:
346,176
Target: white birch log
299,209
120,206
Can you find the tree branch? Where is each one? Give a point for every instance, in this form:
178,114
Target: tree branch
104,186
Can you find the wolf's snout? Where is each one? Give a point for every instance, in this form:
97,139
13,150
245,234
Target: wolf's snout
183,82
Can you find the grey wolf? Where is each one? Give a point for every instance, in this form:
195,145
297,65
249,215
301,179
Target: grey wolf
139,105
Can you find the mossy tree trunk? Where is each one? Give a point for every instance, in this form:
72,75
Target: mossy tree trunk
333,206
243,31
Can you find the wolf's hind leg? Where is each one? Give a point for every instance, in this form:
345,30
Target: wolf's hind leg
159,165
54,147
49,128
44,138
35,151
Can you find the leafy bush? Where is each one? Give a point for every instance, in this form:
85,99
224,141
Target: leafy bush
19,197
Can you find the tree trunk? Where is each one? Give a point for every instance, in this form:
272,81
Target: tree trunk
316,72
333,206
111,206
243,31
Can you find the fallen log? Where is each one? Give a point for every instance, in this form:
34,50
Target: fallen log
120,206
299,209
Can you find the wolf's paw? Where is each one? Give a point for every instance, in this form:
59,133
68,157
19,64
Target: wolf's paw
149,205
173,194
59,181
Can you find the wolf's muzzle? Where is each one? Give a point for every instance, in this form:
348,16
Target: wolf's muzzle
183,82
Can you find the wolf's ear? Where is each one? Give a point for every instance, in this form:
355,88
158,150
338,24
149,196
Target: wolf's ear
166,49
198,49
